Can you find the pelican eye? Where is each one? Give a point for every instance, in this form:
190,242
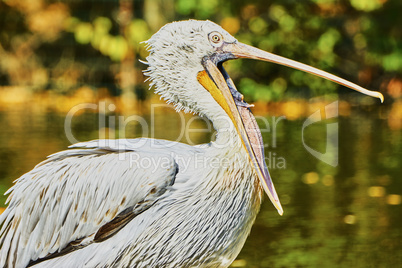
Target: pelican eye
216,38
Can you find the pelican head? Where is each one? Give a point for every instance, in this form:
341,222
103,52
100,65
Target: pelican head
185,67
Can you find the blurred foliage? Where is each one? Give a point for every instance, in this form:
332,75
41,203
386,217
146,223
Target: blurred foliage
64,45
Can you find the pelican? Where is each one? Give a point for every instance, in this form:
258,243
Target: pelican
154,203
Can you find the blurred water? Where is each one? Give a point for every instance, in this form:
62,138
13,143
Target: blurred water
334,217
343,216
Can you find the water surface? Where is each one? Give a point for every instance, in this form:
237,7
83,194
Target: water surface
344,216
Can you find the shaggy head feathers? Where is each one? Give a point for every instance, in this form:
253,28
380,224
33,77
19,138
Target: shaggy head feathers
176,52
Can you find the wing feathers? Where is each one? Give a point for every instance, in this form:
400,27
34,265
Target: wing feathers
114,225
79,195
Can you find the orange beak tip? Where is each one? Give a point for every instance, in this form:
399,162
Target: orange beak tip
280,209
381,97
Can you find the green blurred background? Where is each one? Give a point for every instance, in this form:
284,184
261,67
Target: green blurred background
63,45
57,54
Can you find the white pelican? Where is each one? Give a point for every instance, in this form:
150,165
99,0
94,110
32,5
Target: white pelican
98,205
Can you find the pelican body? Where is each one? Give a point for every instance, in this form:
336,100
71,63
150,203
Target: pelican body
154,203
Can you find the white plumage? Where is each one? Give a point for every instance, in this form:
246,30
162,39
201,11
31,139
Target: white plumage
47,205
86,188
146,202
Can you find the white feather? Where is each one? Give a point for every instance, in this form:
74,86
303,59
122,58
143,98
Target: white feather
38,221
189,211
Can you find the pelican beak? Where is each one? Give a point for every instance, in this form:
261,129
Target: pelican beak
218,83
222,89
240,50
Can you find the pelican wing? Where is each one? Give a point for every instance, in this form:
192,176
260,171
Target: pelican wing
79,196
